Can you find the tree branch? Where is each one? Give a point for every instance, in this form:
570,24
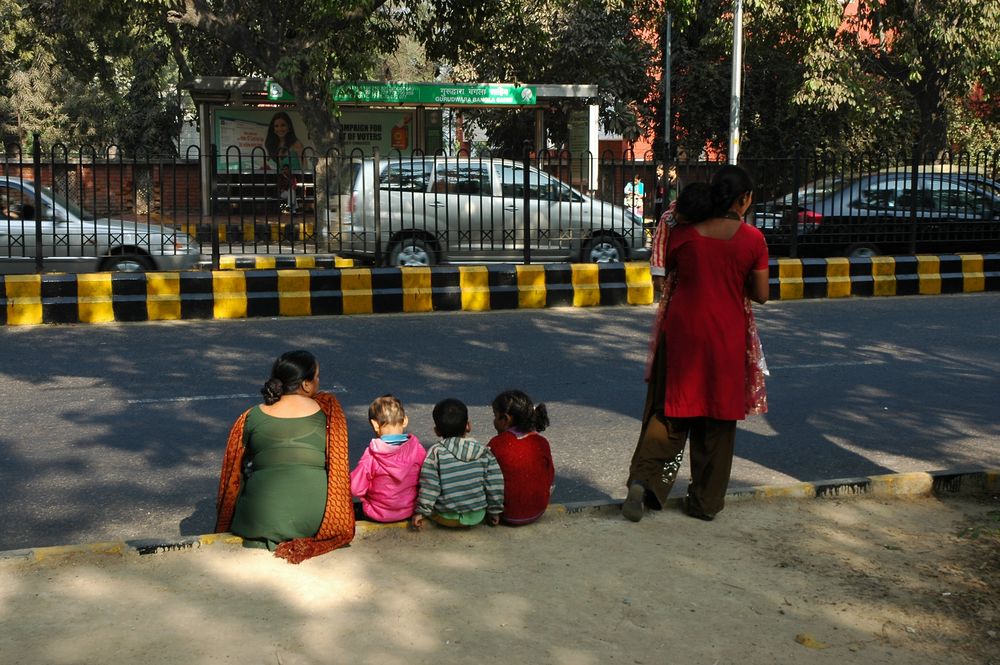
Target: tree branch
178,52
198,15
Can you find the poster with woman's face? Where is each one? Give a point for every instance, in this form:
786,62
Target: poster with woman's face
254,140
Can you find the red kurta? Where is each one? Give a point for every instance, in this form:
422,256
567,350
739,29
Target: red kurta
528,474
705,327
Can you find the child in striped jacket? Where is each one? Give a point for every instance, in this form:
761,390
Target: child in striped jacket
460,481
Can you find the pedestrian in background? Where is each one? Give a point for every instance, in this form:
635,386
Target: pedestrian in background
634,193
666,189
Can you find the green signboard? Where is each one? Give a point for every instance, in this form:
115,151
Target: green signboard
423,94
276,93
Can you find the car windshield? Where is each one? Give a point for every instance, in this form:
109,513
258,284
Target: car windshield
990,186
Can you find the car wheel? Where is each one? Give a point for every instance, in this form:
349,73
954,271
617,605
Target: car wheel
127,263
604,249
862,251
411,252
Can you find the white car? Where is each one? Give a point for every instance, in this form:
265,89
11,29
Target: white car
74,240
452,210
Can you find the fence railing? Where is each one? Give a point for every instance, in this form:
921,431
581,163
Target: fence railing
100,210
828,205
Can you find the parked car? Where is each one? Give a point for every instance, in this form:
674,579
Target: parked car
871,215
447,210
75,240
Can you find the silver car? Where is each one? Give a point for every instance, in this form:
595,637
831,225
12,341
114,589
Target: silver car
882,213
74,240
451,210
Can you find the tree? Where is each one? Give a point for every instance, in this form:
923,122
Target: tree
304,45
27,73
555,41
778,38
923,53
116,57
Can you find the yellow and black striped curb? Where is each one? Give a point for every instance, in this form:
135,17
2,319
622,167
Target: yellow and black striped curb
237,294
228,294
969,482
793,279
279,262
255,231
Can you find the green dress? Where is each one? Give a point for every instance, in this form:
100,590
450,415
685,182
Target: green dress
283,493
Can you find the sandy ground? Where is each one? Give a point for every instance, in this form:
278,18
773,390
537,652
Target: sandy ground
855,580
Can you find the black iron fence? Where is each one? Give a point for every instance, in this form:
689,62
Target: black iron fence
98,210
826,205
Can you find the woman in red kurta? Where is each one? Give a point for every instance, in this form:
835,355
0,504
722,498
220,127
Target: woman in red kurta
524,456
698,386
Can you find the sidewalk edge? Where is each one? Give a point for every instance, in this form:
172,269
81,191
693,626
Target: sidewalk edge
967,481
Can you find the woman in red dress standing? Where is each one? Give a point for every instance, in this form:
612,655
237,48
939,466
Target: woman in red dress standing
698,386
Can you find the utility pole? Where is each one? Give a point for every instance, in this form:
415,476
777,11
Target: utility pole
662,185
667,47
737,83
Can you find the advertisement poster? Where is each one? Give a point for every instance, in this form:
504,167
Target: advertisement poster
255,140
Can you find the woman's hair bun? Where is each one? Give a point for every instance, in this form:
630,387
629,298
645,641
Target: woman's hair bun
272,390
728,184
288,373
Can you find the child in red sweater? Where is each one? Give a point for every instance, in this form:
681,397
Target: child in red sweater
524,456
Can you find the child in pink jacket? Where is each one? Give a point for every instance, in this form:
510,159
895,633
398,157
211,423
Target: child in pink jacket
386,476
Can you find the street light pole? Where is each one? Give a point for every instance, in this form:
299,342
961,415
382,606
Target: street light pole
667,124
665,160
734,108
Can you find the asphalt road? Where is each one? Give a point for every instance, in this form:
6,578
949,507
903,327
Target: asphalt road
116,431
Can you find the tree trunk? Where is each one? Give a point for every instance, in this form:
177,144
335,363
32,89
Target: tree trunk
929,94
324,130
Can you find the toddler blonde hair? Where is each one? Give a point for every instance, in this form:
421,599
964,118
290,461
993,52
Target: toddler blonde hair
386,410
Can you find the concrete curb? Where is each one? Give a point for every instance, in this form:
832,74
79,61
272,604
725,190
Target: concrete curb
240,294
959,482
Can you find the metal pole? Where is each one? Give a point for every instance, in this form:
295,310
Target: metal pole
207,158
662,185
793,215
915,160
526,202
667,124
36,158
377,203
734,109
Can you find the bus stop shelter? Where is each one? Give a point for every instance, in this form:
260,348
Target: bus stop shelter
389,116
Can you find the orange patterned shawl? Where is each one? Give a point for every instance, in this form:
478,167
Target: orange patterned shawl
337,528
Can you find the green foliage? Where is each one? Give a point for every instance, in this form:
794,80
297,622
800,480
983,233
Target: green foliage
596,42
79,72
896,72
302,44
900,65
106,71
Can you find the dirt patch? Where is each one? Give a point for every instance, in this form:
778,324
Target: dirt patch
818,581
